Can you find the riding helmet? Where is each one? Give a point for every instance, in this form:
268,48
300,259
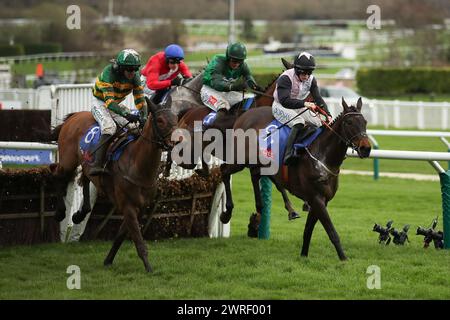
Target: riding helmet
305,61
174,51
128,57
236,51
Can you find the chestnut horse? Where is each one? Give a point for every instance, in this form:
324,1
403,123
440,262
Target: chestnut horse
132,181
314,178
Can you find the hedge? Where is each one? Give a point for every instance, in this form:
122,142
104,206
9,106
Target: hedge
401,81
264,79
36,48
8,50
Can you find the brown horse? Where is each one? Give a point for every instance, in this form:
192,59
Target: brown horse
189,116
132,182
315,177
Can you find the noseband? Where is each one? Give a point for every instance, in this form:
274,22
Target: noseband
160,136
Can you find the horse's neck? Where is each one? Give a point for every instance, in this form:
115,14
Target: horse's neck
329,148
146,155
266,99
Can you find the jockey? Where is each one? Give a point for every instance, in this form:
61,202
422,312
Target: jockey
225,77
115,82
294,86
162,71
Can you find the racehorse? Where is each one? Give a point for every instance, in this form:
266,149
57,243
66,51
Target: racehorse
132,181
314,178
189,116
187,96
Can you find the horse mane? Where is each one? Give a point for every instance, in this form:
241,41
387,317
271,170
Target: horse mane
339,116
271,82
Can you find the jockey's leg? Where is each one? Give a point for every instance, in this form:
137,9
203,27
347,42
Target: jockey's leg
289,154
108,128
216,101
122,122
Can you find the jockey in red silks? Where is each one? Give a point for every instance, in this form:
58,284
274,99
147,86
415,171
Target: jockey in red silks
163,70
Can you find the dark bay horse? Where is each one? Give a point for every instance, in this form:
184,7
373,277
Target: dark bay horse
187,117
314,178
132,182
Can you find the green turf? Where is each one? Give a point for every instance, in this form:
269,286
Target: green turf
243,268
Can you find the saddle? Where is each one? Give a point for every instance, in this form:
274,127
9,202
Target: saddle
89,144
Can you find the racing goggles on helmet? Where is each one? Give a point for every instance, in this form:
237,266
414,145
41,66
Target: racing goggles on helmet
299,71
174,60
130,68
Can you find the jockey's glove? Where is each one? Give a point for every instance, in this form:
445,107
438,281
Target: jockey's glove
114,107
132,117
310,105
257,88
178,81
238,85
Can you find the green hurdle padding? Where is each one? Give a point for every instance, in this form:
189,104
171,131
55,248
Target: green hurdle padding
266,194
445,189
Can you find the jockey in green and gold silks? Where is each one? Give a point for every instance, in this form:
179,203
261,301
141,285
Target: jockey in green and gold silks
116,81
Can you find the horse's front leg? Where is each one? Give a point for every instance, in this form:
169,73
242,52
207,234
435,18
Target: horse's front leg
80,215
116,244
130,214
307,233
318,207
227,170
292,214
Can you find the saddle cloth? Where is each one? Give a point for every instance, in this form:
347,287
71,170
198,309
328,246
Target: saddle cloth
273,146
210,117
89,143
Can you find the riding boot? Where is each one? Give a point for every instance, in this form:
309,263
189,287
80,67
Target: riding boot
289,154
298,133
100,154
221,113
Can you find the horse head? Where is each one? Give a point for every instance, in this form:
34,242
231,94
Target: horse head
164,122
353,129
188,95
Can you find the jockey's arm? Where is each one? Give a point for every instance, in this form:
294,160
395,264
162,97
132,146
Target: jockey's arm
218,81
138,93
317,97
153,81
284,87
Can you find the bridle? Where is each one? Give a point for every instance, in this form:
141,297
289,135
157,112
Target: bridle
157,133
348,141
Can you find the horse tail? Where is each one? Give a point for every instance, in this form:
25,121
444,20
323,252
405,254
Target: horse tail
54,135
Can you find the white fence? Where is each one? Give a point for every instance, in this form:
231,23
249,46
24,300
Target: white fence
63,99
400,114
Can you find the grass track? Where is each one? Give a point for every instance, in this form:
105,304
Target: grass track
243,268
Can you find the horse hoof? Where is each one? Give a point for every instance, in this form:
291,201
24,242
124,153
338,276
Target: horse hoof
148,268
225,217
293,215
